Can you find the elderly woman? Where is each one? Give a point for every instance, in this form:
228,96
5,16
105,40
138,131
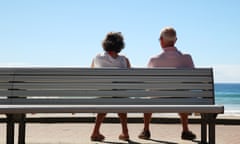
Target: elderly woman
112,45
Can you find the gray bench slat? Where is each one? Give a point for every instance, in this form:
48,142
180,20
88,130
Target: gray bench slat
86,72
4,93
110,101
120,93
110,108
161,79
5,78
160,86
5,86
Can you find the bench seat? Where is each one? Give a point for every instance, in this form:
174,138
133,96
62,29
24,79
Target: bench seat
108,90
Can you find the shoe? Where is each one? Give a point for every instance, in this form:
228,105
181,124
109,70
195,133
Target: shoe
188,135
145,135
97,138
123,137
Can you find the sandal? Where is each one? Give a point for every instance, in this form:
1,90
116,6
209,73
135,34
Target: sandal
123,137
188,135
98,138
145,135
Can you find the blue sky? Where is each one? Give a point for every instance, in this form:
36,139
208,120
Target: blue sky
70,32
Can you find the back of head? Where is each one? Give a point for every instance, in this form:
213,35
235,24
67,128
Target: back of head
113,42
168,35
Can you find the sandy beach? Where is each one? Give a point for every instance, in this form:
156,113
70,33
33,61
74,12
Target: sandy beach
79,133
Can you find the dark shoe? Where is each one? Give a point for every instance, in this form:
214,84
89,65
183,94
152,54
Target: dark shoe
123,137
188,135
97,138
145,135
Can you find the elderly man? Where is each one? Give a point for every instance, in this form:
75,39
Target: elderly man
171,57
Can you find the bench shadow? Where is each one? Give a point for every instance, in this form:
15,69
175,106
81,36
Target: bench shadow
134,142
127,142
197,141
153,140
167,142
162,142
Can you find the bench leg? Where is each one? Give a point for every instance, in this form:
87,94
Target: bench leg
22,129
211,127
10,129
203,129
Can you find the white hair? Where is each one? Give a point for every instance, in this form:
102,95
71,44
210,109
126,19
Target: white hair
168,34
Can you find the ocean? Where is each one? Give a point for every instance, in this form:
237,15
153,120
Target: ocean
228,95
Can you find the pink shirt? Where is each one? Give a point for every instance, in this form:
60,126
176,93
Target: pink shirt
171,57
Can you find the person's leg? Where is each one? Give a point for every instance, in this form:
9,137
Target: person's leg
186,133
123,119
184,121
147,120
145,134
96,135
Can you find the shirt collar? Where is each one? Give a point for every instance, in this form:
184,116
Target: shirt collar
166,49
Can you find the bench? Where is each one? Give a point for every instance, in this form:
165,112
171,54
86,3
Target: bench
87,90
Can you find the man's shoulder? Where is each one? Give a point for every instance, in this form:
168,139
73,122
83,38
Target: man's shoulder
188,56
156,56
154,59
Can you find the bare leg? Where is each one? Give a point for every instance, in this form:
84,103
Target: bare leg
147,120
186,133
96,135
145,134
184,120
123,120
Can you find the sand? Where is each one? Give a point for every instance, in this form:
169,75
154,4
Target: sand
79,133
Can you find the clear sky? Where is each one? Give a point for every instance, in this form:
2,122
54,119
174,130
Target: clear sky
70,32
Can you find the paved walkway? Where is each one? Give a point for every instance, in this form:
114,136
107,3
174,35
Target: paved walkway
80,133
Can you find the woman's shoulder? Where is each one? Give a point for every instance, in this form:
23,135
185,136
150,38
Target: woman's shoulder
122,56
100,56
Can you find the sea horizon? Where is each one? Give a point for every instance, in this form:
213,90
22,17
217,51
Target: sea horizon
228,94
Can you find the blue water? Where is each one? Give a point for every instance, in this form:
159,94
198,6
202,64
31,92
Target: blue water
229,96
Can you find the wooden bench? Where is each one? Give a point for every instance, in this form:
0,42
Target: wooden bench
86,90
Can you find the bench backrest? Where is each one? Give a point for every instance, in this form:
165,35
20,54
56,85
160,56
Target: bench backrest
98,86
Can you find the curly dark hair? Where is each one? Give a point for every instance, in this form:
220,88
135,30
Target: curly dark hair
113,42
